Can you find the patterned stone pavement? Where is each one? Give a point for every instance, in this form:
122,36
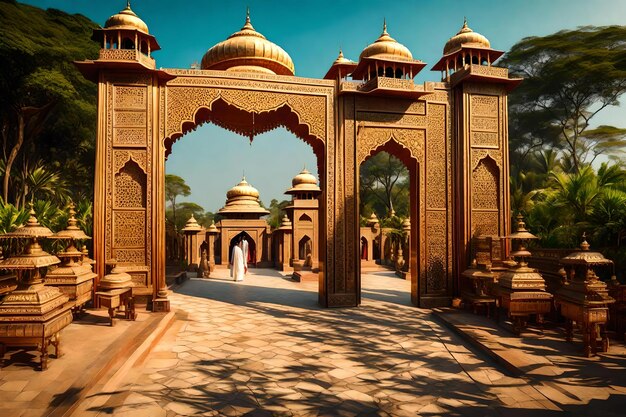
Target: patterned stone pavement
263,347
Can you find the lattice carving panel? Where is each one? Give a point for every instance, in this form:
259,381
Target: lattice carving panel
129,228
130,97
130,119
482,105
130,137
130,256
436,157
485,223
485,185
130,187
436,251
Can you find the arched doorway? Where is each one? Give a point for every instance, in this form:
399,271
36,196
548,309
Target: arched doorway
389,180
305,250
251,256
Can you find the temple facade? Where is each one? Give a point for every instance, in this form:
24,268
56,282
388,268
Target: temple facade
451,134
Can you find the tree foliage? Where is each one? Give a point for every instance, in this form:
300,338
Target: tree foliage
47,108
384,186
569,77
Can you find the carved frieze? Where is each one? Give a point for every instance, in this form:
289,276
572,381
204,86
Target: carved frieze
371,138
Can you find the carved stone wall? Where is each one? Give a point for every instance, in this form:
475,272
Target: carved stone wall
124,194
483,142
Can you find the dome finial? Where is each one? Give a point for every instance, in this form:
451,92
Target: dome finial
128,4
464,21
247,25
385,26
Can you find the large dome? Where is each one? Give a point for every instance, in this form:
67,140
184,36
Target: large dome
465,37
126,19
249,51
386,47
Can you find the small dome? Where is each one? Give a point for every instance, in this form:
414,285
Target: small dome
304,181
126,19
303,178
248,51
386,47
342,59
465,37
243,199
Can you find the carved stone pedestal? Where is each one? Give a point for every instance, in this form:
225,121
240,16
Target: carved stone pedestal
161,305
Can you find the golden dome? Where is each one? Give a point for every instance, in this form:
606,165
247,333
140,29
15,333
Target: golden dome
126,19
249,51
304,181
465,37
243,189
386,47
243,198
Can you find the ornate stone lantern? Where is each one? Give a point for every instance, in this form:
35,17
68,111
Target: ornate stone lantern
584,299
73,277
33,314
480,279
522,290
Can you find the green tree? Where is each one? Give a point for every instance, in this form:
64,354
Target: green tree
569,77
384,186
175,186
277,211
47,109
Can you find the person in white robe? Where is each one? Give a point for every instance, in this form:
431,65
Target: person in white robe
237,268
244,248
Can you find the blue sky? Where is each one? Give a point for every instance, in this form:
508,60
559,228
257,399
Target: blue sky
212,160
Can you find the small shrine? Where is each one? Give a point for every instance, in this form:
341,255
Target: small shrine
584,299
521,289
33,314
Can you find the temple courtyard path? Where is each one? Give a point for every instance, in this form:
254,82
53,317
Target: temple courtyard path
263,347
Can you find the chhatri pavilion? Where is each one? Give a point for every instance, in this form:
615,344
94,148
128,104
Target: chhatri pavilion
451,134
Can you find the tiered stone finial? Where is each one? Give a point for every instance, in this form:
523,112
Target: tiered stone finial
523,289
73,277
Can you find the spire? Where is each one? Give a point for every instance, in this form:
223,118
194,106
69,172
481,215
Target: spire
385,26
128,5
464,21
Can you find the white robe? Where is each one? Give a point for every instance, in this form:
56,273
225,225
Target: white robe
237,269
245,254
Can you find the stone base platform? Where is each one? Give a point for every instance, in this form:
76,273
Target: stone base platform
94,352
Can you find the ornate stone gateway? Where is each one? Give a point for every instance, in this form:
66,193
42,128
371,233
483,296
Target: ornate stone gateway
452,136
